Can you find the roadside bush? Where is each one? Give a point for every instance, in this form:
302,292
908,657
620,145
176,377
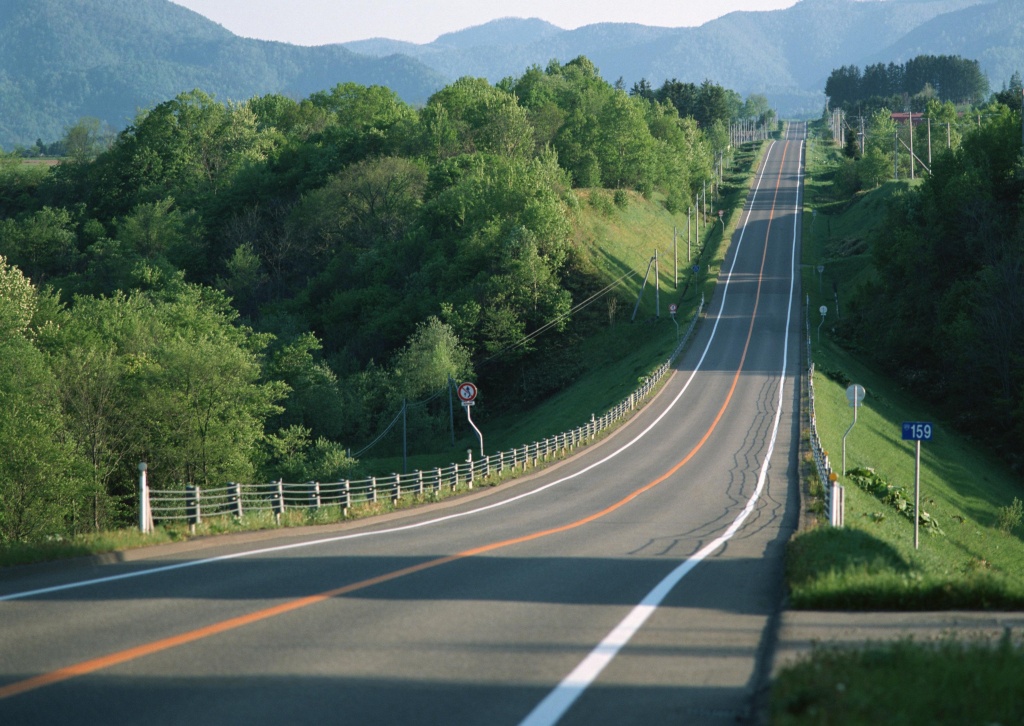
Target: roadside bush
1010,516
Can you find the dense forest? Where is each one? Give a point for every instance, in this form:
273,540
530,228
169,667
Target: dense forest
243,291
945,314
907,86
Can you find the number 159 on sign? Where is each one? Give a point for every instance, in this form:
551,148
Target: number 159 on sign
917,431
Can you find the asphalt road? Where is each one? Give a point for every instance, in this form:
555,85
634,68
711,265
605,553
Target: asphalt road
637,583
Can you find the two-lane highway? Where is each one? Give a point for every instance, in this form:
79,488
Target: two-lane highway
635,583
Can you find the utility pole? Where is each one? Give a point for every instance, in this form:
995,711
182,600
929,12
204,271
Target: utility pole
675,259
911,144
704,215
688,235
696,224
929,142
657,286
896,154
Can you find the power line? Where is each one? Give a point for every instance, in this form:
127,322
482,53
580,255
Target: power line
547,326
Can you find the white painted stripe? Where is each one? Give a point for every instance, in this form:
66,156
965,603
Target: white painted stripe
549,711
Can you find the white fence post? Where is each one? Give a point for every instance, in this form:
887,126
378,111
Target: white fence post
277,500
145,517
235,497
193,507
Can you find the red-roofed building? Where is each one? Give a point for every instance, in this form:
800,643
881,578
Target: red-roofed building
902,117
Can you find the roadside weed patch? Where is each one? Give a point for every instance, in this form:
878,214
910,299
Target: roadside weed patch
905,682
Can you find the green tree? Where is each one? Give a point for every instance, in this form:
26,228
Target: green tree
42,492
296,457
315,401
166,377
43,244
84,140
471,115
948,259
372,202
433,354
625,145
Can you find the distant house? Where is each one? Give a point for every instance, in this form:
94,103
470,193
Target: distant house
901,117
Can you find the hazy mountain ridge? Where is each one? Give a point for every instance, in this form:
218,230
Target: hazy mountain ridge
992,34
64,59
786,54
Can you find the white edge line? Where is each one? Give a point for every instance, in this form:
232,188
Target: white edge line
549,711
391,530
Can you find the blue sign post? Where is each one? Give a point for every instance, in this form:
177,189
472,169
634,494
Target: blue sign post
917,431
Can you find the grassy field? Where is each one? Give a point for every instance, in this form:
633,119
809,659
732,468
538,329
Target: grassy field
971,553
952,682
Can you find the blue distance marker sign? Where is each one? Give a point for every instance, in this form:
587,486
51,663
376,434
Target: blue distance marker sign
917,431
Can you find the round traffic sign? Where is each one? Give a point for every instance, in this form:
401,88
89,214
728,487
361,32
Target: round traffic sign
823,310
467,391
672,308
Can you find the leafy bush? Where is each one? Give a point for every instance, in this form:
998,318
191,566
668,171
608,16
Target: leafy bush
601,202
893,495
1010,516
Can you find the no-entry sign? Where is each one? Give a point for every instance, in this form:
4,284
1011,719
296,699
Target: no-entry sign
467,391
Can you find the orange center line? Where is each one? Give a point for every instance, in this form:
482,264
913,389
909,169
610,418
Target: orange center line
140,651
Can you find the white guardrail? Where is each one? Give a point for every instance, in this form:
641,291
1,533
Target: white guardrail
833,492
191,504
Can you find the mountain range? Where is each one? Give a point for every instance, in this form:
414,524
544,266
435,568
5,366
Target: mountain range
61,60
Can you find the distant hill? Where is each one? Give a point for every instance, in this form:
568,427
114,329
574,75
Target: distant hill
784,54
64,59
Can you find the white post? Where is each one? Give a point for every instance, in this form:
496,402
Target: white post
144,516
675,259
657,286
917,492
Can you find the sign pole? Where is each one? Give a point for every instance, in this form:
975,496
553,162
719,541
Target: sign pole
917,492
467,394
917,431
855,394
468,405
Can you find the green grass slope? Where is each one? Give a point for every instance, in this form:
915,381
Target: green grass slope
971,552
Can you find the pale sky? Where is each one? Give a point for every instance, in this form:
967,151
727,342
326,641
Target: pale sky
319,22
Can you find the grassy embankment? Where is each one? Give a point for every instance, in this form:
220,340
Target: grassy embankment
972,558
617,238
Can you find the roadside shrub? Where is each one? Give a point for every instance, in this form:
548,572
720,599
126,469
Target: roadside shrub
1010,516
